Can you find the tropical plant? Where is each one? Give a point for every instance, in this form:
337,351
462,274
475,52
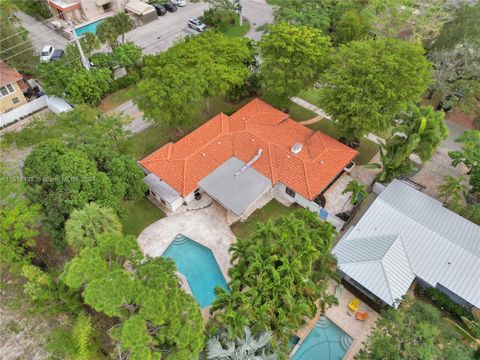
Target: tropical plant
277,277
473,326
469,155
247,347
114,26
292,59
452,190
86,224
358,191
372,81
419,130
89,43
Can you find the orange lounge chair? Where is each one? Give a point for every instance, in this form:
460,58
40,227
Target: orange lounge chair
354,304
361,315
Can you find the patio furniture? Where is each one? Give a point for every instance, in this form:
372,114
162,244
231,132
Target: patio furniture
354,304
339,290
361,315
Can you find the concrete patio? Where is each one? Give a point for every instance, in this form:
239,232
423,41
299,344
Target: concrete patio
345,320
208,227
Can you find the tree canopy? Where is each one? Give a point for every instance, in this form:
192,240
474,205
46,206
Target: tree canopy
469,155
292,59
371,81
109,30
176,80
155,317
419,130
277,276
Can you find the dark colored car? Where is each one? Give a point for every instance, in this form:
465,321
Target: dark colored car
57,54
160,9
170,7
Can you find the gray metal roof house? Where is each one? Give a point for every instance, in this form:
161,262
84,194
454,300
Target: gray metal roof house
407,235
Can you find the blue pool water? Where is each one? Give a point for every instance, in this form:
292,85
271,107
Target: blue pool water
197,263
326,341
92,28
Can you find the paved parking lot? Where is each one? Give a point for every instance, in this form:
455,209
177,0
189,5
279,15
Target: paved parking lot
160,34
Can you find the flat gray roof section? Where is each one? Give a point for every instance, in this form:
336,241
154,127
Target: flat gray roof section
161,188
236,193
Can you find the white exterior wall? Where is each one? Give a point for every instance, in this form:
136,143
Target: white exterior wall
92,11
299,199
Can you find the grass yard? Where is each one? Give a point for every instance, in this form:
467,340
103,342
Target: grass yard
237,30
299,113
111,101
311,95
367,149
271,211
139,214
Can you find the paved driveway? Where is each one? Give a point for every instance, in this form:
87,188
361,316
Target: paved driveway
258,13
41,35
160,34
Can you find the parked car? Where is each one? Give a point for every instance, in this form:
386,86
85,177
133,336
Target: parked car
57,54
160,9
180,3
169,7
47,53
196,24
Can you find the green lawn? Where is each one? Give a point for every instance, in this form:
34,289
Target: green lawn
117,98
367,149
299,113
237,30
140,213
311,95
271,211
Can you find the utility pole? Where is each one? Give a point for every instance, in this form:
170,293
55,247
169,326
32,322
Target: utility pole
240,11
85,62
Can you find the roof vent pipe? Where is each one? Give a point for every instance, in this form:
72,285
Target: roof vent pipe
250,163
296,148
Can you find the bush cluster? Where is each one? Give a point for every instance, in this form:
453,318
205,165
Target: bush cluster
219,18
447,304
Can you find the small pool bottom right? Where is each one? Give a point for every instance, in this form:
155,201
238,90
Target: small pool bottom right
326,341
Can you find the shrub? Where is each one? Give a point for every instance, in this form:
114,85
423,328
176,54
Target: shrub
127,80
219,18
447,304
104,60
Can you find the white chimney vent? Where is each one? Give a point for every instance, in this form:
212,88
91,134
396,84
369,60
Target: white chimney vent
296,148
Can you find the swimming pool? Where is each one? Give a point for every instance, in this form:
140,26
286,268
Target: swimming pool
326,341
92,28
198,264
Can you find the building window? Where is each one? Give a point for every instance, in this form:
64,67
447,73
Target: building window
290,192
5,90
163,201
15,100
107,6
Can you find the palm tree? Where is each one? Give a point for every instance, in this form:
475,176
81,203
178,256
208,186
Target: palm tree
247,347
358,192
451,190
84,225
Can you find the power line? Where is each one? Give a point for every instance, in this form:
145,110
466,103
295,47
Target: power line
28,28
26,41
21,52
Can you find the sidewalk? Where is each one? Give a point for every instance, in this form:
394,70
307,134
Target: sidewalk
129,109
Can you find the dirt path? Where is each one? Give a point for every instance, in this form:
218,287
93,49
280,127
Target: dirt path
312,120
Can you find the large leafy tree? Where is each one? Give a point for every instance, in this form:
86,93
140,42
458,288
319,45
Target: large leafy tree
156,319
414,331
86,224
18,223
292,59
278,274
113,27
352,26
15,46
469,156
371,81
419,130
176,80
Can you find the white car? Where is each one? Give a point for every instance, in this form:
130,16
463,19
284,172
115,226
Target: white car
180,3
196,24
47,53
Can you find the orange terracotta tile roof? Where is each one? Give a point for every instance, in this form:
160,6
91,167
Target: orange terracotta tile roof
256,125
8,74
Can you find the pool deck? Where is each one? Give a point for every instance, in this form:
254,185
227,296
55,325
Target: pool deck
345,320
208,227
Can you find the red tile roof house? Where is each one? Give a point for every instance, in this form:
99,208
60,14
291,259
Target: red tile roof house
238,159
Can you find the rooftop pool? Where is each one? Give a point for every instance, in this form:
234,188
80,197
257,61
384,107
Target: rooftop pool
198,264
92,28
326,341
